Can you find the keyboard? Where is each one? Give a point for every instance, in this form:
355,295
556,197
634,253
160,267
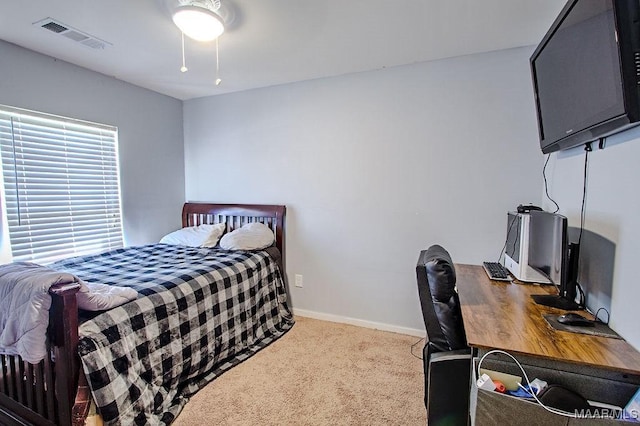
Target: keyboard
496,271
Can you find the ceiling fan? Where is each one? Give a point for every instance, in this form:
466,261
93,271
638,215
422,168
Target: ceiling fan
201,20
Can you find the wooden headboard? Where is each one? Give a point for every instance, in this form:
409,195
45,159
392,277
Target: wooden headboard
236,215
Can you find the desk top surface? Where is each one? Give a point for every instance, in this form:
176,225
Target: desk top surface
500,315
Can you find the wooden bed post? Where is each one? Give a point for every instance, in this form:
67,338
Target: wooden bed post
45,393
64,341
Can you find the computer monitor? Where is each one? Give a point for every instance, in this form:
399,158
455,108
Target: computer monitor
516,253
552,255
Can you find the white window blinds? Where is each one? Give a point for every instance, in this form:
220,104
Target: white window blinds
61,186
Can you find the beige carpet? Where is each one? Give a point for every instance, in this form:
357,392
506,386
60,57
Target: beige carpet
319,373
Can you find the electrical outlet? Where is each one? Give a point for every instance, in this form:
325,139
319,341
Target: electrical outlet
298,280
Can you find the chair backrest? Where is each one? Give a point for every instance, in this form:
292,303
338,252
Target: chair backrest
439,300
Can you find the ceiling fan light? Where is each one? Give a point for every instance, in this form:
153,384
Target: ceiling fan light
198,23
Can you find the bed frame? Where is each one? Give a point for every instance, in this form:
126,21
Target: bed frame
55,391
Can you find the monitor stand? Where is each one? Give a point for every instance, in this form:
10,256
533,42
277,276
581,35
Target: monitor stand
555,301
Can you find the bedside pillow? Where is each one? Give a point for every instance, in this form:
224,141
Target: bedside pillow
252,236
196,236
214,236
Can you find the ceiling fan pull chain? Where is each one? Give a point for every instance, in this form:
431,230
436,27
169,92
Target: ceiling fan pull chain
184,65
218,80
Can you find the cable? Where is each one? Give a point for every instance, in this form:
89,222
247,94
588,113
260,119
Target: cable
546,186
414,345
506,240
533,394
587,150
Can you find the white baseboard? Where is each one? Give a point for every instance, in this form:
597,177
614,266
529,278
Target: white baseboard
360,323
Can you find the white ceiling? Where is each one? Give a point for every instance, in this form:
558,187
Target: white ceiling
271,42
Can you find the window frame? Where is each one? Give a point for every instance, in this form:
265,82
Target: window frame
60,183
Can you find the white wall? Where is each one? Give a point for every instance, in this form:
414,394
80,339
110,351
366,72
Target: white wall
374,167
149,131
612,205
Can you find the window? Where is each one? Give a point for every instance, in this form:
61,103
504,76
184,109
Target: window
61,192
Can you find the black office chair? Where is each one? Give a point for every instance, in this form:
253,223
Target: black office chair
446,356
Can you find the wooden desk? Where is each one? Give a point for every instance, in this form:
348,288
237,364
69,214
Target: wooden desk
500,315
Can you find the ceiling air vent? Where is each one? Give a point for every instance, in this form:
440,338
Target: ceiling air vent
72,34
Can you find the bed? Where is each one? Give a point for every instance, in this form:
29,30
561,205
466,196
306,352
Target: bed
199,312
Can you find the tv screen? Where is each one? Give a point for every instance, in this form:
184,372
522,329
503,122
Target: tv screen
584,73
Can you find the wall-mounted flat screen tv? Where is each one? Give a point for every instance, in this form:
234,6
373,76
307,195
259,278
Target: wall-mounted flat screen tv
586,73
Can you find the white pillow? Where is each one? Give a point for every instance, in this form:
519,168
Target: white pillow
196,236
216,232
252,236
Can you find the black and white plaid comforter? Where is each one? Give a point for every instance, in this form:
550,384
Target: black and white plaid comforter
199,312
